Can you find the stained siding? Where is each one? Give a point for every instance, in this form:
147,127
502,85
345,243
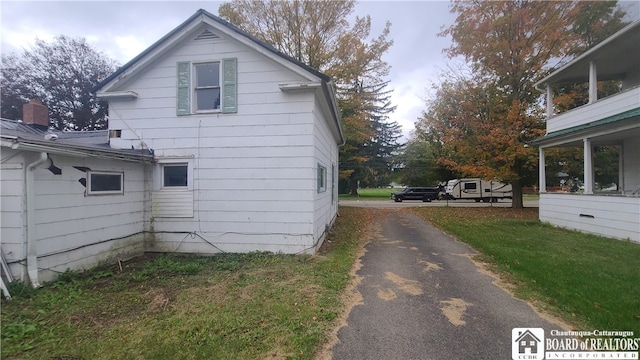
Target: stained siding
76,231
251,170
12,207
326,154
611,216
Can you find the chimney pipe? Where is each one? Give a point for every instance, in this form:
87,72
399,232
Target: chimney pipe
35,113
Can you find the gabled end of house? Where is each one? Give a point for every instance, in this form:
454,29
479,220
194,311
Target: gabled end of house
216,142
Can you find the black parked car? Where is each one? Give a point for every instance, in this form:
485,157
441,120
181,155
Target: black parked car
416,193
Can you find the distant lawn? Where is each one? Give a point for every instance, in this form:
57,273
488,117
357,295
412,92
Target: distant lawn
590,281
385,194
371,194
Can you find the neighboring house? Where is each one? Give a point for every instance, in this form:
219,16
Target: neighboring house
611,121
237,151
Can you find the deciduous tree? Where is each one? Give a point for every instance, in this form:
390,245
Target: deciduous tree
318,34
61,74
508,45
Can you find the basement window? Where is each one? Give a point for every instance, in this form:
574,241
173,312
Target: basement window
105,183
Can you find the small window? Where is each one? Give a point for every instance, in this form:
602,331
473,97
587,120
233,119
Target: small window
175,175
322,178
207,87
103,183
469,186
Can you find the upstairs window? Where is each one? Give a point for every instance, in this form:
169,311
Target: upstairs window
207,89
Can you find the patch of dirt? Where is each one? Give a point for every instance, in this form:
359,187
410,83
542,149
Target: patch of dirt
159,299
454,309
386,294
429,266
408,286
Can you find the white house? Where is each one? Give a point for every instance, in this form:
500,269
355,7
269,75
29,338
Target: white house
610,121
69,201
234,148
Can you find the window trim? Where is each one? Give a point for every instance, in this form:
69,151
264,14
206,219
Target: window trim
158,172
321,178
173,164
91,192
194,87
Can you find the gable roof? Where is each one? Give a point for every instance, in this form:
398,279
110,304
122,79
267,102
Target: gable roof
95,143
200,16
193,23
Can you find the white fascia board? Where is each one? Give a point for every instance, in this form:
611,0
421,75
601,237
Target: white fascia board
300,86
117,95
148,59
249,43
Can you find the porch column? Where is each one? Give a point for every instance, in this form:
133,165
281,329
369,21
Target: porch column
542,173
549,101
593,83
588,167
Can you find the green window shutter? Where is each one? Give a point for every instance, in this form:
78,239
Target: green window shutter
183,91
229,85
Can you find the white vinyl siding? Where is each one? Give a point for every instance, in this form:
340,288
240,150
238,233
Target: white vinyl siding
253,180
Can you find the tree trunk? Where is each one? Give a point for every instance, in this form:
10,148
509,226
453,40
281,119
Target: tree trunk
353,187
517,202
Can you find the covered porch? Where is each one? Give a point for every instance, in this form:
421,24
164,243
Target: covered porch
605,196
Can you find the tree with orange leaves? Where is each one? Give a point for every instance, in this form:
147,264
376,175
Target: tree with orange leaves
485,120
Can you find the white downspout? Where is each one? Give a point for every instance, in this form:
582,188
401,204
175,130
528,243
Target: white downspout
32,253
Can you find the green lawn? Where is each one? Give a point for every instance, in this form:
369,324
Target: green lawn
385,194
588,280
370,194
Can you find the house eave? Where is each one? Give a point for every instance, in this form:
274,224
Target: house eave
75,150
117,95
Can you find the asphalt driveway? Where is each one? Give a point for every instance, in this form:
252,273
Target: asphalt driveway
424,298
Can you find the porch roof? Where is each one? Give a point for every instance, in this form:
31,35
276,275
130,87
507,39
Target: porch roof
626,121
615,57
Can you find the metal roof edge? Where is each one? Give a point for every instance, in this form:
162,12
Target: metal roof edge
591,125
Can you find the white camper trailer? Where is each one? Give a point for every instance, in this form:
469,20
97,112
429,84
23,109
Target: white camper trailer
478,190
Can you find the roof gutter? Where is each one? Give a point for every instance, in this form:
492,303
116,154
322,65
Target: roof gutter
32,251
74,151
